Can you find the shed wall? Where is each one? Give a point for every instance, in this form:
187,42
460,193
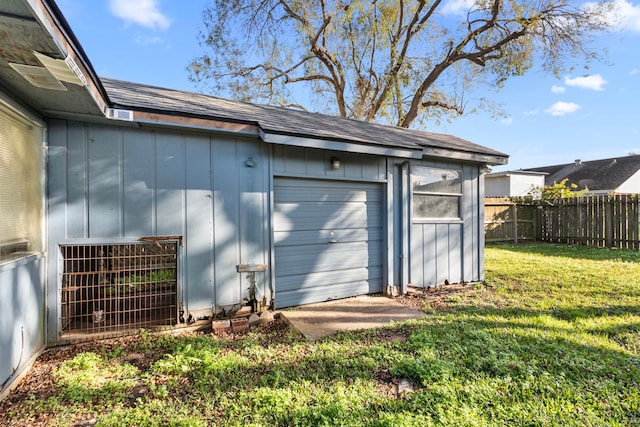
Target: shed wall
22,315
316,163
450,249
116,183
113,183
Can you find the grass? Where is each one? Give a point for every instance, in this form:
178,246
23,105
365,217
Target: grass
552,338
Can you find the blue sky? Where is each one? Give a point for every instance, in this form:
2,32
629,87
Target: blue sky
585,116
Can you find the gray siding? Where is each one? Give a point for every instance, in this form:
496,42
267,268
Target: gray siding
315,163
451,250
115,183
110,183
22,314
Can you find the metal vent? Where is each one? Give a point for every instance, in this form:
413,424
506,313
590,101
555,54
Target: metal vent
38,76
116,114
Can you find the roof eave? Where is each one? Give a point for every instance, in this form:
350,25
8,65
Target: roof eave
474,157
54,22
348,146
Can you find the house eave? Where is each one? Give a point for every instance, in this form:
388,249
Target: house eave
348,146
56,25
488,159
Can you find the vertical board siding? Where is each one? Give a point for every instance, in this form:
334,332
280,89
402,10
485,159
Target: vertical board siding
58,172
104,181
449,251
170,184
78,224
109,182
139,177
198,237
316,163
227,224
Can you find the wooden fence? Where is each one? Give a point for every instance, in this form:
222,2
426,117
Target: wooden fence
601,221
508,221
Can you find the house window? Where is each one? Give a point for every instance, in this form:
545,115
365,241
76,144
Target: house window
436,193
20,187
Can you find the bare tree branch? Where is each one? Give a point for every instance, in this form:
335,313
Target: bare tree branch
393,61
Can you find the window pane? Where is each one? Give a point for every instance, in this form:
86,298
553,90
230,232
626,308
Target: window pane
436,180
431,206
20,188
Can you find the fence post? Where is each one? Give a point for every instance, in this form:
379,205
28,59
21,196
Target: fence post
514,208
608,222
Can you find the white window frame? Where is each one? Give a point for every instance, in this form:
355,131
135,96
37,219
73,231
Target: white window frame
426,171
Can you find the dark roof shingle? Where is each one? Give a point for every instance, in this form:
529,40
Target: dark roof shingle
281,121
594,175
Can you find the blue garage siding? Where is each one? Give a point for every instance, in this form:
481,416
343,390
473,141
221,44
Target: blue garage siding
442,250
116,183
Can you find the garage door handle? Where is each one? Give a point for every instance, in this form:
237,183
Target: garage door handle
333,241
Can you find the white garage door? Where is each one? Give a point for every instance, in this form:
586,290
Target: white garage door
328,240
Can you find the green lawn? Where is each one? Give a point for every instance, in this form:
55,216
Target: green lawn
551,338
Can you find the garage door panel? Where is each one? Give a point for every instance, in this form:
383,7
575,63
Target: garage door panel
328,239
329,278
310,237
324,293
320,190
315,258
311,195
319,217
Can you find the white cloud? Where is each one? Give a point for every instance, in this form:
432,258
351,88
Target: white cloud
457,7
558,89
621,16
562,108
594,82
142,12
634,72
626,15
506,121
531,112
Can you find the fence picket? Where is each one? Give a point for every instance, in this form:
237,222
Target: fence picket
601,221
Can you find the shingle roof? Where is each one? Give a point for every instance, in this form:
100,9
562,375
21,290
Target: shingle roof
279,120
595,175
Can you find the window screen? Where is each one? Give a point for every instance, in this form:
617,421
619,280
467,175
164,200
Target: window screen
436,192
20,186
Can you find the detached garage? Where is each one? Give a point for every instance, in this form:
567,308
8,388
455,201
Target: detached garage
328,240
159,207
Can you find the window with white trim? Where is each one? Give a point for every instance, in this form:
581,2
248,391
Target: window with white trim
436,193
20,186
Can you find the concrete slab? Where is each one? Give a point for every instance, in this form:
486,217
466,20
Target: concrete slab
318,320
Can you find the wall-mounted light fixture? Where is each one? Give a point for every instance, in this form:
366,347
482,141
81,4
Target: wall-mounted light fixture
335,163
250,163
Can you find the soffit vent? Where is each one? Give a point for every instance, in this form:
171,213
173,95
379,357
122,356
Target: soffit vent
65,70
38,76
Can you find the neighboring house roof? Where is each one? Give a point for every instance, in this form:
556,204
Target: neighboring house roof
593,175
286,122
